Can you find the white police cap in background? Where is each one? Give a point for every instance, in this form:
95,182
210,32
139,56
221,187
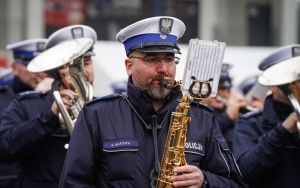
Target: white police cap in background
281,67
72,32
27,49
119,87
281,54
155,34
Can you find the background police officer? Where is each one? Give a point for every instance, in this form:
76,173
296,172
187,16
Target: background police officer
13,81
227,104
266,143
30,130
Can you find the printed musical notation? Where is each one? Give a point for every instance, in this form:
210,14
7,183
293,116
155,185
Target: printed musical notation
204,61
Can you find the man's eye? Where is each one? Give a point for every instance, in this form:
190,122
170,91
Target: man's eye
151,60
169,59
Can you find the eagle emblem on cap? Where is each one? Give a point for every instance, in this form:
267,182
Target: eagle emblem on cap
165,27
40,46
77,32
296,51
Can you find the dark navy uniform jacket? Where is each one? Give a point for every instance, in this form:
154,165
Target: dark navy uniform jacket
8,172
267,154
111,147
31,133
226,126
7,95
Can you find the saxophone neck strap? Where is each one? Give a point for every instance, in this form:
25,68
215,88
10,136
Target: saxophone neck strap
154,126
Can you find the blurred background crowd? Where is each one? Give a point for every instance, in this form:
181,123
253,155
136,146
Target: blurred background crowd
251,29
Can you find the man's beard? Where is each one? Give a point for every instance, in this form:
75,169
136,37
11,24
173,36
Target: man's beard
158,93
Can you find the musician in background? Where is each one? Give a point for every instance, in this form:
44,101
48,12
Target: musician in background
266,143
23,52
227,104
15,80
254,92
113,142
119,87
30,130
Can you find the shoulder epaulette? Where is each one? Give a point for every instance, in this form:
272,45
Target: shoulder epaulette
251,114
201,105
103,98
27,94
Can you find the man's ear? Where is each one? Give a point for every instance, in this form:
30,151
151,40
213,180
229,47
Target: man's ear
128,65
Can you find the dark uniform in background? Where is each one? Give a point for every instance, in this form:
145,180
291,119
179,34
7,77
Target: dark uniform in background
16,81
225,123
6,92
266,151
227,104
112,143
8,172
32,134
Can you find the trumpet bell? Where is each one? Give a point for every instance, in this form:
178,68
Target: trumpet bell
284,72
64,62
60,55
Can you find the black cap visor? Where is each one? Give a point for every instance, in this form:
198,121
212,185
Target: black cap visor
150,47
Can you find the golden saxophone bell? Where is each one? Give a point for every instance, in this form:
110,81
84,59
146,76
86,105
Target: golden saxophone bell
64,62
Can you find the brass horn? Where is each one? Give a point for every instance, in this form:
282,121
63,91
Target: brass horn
64,62
286,76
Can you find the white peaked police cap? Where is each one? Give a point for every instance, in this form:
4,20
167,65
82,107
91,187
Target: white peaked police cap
27,49
72,32
155,34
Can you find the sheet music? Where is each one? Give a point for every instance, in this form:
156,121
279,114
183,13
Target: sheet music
204,61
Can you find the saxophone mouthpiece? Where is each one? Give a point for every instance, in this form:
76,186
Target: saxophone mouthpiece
170,83
167,82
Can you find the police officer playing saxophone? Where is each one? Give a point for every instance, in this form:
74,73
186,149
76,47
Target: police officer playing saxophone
30,130
112,144
266,143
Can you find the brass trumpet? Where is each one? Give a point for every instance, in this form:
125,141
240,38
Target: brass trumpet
64,63
286,76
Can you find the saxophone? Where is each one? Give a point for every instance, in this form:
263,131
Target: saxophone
173,155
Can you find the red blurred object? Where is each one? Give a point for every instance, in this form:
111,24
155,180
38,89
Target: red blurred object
3,61
60,13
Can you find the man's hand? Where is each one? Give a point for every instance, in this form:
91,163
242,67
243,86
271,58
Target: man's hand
290,123
66,95
188,176
234,104
44,85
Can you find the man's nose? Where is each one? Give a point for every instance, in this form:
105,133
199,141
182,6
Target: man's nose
162,66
